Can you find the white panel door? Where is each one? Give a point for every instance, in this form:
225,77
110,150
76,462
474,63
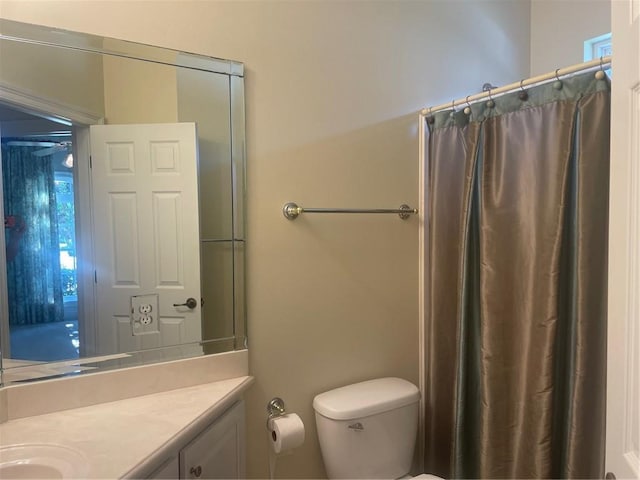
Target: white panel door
623,351
146,235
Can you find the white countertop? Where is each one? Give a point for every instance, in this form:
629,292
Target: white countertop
123,437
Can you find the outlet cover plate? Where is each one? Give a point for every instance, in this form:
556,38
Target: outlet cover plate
144,314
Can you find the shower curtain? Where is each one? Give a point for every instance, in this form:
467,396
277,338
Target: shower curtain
516,327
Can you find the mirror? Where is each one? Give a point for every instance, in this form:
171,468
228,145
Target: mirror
123,185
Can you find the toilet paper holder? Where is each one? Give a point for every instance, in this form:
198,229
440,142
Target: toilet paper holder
275,408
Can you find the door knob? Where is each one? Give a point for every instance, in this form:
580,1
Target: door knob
190,303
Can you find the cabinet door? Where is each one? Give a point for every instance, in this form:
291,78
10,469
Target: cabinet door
169,470
219,451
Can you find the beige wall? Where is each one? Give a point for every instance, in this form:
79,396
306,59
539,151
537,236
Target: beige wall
54,74
139,92
559,29
204,98
332,92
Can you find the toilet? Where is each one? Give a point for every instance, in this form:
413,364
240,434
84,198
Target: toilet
368,429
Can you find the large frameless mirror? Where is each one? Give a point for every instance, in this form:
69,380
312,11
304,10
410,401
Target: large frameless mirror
122,194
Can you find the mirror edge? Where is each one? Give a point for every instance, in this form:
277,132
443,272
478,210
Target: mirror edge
238,161
55,37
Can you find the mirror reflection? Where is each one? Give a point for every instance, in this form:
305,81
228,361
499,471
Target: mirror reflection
122,177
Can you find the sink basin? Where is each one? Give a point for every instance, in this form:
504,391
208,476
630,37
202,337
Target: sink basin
29,470
40,461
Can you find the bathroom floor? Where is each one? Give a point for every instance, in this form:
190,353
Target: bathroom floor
50,341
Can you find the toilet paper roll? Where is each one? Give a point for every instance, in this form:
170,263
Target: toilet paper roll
287,433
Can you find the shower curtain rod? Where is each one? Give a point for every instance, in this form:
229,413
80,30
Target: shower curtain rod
597,64
35,143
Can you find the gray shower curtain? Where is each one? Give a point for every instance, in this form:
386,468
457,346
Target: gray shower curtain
516,328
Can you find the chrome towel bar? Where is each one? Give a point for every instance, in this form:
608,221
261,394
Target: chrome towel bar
291,210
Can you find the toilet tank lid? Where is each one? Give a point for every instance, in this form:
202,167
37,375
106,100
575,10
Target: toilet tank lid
366,398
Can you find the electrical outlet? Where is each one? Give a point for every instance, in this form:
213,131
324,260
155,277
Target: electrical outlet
143,322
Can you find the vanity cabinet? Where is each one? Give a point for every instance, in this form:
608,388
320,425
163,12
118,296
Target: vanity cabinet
218,451
168,471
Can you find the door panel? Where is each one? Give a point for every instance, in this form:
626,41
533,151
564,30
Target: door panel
123,215
167,213
146,236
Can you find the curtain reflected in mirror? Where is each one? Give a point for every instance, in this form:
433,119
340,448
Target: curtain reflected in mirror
40,238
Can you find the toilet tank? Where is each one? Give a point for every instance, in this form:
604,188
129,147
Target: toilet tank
368,429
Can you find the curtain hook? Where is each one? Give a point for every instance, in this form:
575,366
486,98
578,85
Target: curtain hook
600,73
558,83
523,95
453,108
467,109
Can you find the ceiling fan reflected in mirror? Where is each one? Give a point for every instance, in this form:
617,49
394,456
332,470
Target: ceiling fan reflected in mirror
48,148
51,148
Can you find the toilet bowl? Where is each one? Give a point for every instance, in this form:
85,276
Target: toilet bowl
368,429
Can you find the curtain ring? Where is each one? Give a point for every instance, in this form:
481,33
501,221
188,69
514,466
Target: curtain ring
467,109
430,119
523,95
600,73
558,83
490,103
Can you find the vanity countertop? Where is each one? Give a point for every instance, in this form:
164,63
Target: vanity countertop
127,437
